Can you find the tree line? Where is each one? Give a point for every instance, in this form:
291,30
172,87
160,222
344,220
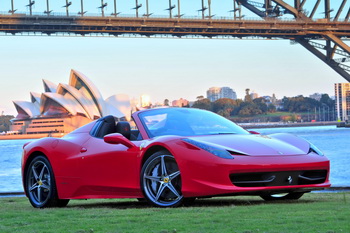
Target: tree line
5,122
251,107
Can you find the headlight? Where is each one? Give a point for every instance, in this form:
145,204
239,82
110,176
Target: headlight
211,149
314,149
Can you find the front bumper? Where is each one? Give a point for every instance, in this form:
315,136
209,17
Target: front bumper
214,176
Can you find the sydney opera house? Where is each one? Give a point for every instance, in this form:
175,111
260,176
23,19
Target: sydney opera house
64,107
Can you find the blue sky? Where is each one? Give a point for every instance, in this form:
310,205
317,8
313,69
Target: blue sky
157,7
161,68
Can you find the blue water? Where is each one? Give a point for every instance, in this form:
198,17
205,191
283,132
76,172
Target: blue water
334,142
10,165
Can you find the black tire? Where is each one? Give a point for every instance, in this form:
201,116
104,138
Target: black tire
189,201
40,184
282,196
161,180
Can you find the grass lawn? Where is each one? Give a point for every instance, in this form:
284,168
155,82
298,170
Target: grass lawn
314,212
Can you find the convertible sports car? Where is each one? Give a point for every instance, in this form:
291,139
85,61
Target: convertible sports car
171,156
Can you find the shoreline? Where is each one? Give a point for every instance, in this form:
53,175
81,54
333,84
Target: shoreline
30,136
286,125
243,125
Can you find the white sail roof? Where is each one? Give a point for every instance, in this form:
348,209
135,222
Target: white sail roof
26,109
88,105
81,82
67,102
49,86
35,98
80,96
119,105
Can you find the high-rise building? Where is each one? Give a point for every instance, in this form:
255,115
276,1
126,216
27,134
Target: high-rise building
227,92
215,93
145,101
342,100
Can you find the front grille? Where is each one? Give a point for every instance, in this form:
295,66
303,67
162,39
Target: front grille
285,178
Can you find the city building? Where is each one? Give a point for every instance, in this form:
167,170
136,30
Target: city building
227,92
342,100
64,107
145,101
215,93
180,103
268,99
254,95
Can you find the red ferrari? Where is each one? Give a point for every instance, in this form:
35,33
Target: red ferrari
169,156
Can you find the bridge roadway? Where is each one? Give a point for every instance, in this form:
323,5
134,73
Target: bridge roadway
332,50
179,27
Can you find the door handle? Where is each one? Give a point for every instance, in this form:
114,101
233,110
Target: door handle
82,150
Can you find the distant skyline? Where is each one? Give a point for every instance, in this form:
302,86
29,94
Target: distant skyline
162,68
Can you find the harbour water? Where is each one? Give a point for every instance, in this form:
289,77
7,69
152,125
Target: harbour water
10,165
334,142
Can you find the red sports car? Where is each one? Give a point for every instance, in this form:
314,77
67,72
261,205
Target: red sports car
170,156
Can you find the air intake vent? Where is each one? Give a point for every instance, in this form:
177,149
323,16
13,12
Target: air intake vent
286,178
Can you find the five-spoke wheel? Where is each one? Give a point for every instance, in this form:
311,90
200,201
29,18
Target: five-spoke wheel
161,180
40,184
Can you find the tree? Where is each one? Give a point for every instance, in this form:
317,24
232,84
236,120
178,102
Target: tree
249,109
200,97
325,99
166,102
5,122
260,102
247,97
203,104
224,106
299,104
271,108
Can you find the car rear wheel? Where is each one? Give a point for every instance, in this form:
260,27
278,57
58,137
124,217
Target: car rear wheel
40,184
161,180
281,196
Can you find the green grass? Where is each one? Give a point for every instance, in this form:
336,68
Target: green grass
314,212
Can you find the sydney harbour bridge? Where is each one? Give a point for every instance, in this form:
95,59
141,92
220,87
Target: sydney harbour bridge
320,26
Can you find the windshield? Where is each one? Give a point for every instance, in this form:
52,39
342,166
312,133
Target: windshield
186,122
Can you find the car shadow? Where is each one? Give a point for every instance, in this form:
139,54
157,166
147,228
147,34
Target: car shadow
198,203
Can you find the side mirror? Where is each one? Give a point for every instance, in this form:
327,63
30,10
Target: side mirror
253,132
117,138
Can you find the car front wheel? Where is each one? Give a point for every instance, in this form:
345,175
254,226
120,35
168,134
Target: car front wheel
40,184
161,180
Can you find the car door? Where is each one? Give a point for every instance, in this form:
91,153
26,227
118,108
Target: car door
110,170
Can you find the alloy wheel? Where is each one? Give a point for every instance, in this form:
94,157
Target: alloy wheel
161,180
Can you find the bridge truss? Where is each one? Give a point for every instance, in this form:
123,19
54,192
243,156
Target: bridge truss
324,37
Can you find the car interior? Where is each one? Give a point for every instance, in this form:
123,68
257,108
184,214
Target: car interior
109,124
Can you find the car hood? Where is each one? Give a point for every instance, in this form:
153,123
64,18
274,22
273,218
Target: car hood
258,145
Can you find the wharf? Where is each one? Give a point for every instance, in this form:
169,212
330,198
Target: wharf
30,136
343,125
